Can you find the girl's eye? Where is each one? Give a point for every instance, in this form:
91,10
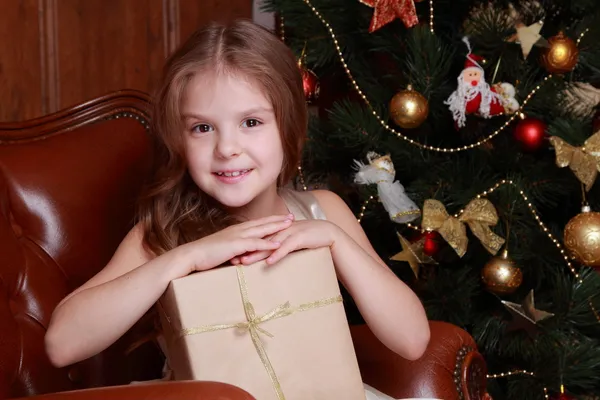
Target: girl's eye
250,123
202,128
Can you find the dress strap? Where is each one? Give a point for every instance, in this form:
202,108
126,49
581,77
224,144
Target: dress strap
303,205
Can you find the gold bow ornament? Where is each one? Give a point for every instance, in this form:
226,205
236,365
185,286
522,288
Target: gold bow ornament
479,214
584,161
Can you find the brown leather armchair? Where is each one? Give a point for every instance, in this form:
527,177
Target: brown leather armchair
67,187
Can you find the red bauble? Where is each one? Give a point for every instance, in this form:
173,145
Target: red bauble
310,83
431,246
531,134
431,242
562,396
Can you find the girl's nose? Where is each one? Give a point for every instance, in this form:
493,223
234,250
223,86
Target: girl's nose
228,145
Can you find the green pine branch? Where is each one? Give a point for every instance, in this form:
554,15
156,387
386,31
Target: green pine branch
383,63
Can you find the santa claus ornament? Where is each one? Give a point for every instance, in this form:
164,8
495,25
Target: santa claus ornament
474,96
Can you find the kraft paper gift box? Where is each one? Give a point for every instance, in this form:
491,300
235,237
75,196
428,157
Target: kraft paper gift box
278,331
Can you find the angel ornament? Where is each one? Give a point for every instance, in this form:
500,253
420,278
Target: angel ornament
380,170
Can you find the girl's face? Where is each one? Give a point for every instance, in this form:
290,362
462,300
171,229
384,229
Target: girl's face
233,146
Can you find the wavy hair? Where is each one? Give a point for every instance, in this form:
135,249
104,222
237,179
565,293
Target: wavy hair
173,210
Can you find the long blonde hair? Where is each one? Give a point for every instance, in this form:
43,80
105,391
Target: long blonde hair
173,210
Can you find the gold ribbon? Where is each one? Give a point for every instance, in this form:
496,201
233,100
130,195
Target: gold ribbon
253,322
479,214
583,161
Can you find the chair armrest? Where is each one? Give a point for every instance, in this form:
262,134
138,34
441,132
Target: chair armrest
181,390
450,369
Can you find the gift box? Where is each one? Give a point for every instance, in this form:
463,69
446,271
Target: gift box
277,331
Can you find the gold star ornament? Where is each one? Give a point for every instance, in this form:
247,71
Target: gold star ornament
413,254
525,315
528,36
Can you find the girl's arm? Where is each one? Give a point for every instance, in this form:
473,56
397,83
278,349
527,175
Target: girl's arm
95,315
98,313
391,309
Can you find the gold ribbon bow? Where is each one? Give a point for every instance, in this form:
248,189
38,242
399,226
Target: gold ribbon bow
583,161
253,322
479,214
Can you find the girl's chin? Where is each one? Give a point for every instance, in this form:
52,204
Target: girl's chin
233,201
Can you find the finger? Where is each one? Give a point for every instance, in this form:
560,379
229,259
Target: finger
286,247
270,237
252,245
280,236
267,220
261,231
255,257
235,260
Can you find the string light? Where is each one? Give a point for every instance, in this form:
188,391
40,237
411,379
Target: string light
516,372
281,28
364,207
510,373
556,242
392,130
581,36
431,16
302,180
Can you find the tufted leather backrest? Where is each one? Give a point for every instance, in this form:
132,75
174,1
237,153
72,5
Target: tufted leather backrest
68,183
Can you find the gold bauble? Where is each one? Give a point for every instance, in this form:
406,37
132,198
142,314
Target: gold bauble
582,237
501,276
409,109
561,56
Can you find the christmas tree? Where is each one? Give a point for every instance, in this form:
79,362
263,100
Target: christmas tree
465,136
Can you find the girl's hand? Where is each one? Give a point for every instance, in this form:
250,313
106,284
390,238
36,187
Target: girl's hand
247,237
305,234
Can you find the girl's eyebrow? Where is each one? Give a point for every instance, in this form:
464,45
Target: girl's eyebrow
191,116
253,110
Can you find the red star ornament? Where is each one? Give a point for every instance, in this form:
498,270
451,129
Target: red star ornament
388,10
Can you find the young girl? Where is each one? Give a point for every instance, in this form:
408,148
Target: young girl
229,123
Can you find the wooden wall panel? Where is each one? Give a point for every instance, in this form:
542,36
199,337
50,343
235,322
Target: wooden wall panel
193,15
107,46
58,53
20,61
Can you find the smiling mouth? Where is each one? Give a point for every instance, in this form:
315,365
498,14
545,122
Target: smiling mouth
233,173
